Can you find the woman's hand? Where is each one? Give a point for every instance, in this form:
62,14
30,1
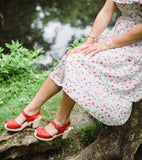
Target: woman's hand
86,49
95,48
77,49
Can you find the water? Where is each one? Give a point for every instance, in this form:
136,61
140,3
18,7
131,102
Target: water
52,24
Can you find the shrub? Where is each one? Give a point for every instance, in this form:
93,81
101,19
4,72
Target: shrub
77,43
18,61
89,133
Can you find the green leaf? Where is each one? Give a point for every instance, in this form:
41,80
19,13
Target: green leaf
76,43
8,45
1,102
5,71
1,49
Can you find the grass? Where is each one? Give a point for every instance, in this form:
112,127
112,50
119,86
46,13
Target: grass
18,91
76,141
89,133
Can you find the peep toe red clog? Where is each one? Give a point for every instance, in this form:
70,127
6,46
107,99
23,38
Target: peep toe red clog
42,134
31,120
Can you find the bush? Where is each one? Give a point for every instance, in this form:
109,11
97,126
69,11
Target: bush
18,61
77,43
89,133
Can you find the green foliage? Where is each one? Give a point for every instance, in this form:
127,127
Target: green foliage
1,50
55,63
89,133
18,91
77,43
18,61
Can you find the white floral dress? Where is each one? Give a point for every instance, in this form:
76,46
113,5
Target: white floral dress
106,85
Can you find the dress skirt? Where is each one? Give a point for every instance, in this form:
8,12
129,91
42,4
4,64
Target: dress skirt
106,84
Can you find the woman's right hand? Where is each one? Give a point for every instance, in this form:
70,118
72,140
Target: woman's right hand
77,49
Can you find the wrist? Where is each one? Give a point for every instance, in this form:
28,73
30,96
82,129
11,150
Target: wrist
109,44
92,37
116,42
89,41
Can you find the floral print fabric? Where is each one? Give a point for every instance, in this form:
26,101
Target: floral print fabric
106,85
128,1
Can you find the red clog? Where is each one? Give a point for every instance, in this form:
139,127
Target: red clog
34,120
42,134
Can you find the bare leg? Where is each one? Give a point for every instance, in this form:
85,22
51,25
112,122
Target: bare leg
63,115
48,89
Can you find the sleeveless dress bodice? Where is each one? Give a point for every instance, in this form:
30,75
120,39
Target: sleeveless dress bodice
131,11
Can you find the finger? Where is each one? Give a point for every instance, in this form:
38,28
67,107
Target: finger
81,49
85,51
72,52
68,53
76,50
89,51
94,53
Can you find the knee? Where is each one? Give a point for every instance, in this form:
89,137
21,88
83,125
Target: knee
75,57
119,118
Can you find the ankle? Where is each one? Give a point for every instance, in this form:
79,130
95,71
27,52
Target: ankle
30,111
61,122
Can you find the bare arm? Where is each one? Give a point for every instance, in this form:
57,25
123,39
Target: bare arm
102,20
129,37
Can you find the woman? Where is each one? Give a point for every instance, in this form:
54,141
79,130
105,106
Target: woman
104,77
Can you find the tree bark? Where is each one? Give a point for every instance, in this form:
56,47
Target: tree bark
22,143
116,143
112,143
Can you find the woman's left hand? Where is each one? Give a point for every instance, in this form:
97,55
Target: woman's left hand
95,48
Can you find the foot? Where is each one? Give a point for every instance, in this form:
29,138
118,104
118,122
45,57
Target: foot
52,130
21,118
22,121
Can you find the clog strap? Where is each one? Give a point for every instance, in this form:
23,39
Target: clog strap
32,117
59,128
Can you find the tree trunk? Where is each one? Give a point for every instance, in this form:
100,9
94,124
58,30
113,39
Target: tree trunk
22,143
116,143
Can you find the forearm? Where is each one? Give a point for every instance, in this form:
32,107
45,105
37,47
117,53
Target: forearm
129,37
102,20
